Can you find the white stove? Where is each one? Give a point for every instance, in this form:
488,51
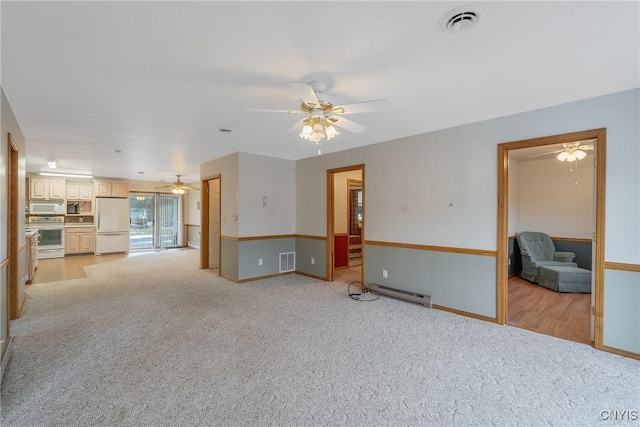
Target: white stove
50,235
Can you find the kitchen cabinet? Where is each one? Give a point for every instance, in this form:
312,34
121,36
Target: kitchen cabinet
111,188
79,192
79,240
47,188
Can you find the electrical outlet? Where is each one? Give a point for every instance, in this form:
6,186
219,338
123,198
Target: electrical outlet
260,261
313,260
384,274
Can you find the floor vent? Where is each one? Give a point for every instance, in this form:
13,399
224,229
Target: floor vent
287,261
424,300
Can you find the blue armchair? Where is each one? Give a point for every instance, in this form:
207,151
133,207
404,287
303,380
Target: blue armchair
537,251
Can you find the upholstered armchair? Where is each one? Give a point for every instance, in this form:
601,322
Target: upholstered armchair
537,251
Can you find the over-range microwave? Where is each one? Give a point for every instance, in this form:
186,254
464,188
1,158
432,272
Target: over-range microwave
46,208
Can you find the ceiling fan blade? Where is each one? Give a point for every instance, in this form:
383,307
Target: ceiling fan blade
363,107
266,110
306,93
347,124
546,153
297,127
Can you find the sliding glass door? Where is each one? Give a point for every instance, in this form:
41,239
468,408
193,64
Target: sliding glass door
141,221
155,220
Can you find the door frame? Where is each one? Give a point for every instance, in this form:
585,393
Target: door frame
13,303
331,215
502,294
204,221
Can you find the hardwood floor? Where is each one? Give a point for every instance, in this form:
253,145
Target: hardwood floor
348,275
562,315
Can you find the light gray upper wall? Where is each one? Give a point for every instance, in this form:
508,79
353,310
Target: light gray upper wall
273,178
228,169
555,197
440,188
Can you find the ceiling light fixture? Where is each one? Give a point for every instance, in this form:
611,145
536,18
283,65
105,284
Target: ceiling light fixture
178,191
65,175
51,162
315,128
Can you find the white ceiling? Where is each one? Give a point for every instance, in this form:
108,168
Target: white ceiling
156,79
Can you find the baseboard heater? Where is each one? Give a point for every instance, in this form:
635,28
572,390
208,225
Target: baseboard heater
424,300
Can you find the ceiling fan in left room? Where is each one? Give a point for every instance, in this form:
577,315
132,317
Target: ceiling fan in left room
178,187
321,114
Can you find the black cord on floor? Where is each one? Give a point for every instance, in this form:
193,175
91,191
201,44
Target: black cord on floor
364,294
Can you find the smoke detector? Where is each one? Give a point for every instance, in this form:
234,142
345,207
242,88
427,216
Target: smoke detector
460,19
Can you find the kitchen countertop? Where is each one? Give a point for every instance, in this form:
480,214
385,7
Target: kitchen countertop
29,233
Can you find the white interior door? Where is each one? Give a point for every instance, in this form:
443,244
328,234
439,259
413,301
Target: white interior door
214,223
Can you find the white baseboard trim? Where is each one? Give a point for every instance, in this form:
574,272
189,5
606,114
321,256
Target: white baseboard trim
193,245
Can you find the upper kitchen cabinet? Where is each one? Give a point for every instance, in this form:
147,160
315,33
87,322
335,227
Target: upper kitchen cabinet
111,188
47,188
79,191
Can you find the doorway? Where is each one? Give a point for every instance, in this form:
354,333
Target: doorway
211,224
598,136
345,223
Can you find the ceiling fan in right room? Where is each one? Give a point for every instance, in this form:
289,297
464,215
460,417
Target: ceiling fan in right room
178,187
571,151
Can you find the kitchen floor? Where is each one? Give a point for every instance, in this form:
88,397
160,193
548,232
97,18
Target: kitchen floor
71,267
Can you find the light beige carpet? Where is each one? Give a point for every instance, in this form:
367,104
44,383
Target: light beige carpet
153,341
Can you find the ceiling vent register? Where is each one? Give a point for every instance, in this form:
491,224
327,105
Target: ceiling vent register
460,19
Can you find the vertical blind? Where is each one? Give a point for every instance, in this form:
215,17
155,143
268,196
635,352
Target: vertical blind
169,220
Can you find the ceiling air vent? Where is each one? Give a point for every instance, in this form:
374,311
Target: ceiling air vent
460,19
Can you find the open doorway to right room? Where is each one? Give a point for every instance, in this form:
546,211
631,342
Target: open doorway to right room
549,189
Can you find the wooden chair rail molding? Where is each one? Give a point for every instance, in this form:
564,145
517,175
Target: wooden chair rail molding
4,263
622,266
310,237
466,251
277,236
565,239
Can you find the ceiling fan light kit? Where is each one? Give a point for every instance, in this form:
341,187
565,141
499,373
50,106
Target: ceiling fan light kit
571,153
317,128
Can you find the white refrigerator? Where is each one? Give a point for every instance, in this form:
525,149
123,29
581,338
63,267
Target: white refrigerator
112,225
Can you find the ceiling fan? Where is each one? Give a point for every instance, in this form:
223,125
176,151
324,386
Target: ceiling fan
321,114
570,152
178,187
